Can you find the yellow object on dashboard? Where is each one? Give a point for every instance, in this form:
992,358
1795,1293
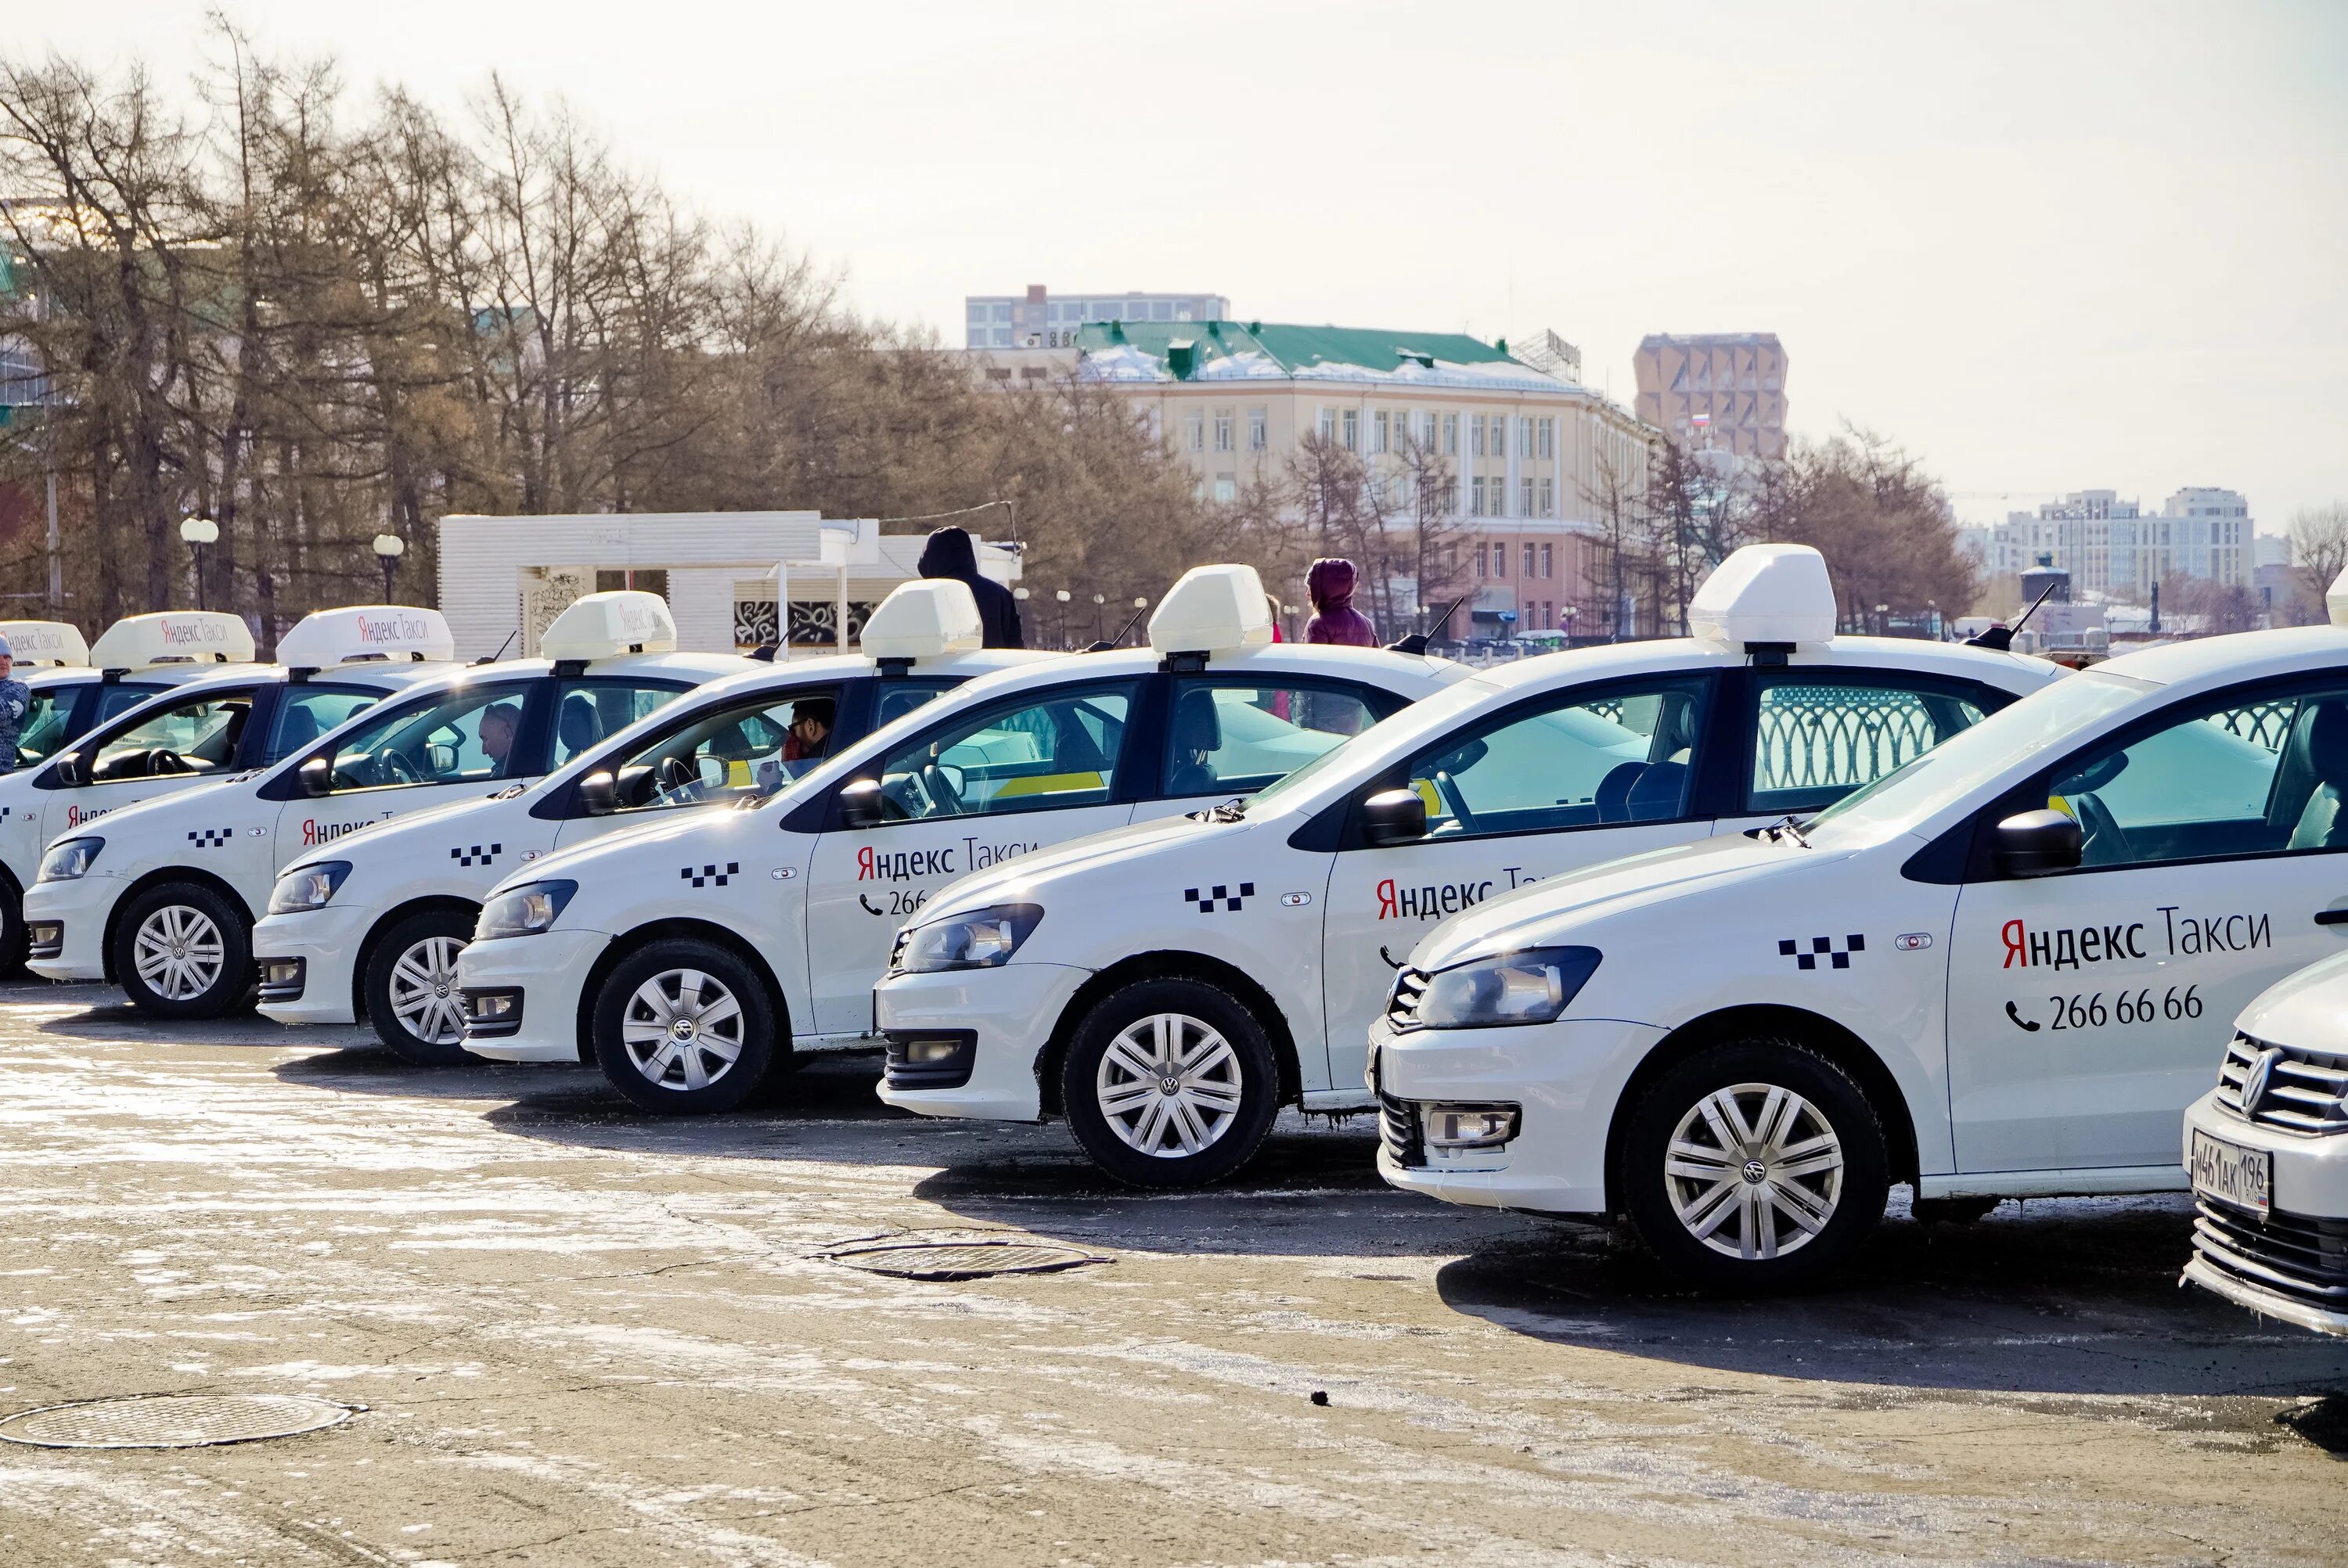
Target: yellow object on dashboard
1049,784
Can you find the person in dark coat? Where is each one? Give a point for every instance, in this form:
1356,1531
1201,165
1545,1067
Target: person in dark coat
1330,581
950,554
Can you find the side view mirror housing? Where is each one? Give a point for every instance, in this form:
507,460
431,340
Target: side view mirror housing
318,777
861,804
1394,817
2034,843
72,770
599,795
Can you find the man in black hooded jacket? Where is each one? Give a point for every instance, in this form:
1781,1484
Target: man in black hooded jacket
950,554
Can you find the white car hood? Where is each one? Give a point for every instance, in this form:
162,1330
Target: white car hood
581,860
155,806
2306,1011
375,835
1563,907
1115,847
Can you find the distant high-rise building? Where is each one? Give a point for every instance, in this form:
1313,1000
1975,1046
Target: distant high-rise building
1041,319
2115,547
1724,389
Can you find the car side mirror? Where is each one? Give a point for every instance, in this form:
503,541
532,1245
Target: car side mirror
2034,843
1394,817
318,777
861,804
599,795
72,770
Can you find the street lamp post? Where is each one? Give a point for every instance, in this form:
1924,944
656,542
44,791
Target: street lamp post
388,549
1098,599
1061,595
200,534
1140,603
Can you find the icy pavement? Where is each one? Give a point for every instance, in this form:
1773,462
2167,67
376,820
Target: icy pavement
587,1337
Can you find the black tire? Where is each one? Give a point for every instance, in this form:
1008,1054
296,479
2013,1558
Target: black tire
416,956
1755,1243
13,945
750,1031
212,977
1220,1109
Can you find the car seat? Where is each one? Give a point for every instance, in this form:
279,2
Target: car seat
1197,731
2321,737
578,726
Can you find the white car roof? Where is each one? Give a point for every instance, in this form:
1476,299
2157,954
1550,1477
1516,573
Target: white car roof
2239,656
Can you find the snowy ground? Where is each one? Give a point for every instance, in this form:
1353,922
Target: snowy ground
586,1336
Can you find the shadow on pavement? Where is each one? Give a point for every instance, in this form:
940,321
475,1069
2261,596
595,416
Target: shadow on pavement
2069,1297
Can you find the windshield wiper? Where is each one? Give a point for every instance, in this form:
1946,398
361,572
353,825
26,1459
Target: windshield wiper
1791,827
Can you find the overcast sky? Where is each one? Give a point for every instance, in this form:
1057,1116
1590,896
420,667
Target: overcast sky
2047,246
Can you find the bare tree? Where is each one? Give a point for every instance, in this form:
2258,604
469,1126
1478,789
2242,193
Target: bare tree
2319,547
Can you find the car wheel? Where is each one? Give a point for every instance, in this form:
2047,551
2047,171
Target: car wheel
13,946
1170,1083
1753,1166
411,987
182,951
684,1027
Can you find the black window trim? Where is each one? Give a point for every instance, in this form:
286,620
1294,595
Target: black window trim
47,779
850,694
287,785
1382,704
1748,719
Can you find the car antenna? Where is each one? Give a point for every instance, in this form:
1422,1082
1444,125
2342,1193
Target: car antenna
1105,646
1417,642
493,658
2001,637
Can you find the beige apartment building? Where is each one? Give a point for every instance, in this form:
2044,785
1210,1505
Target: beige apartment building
1528,450
1722,390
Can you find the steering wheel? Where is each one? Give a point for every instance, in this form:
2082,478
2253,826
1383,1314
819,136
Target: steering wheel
391,767
1447,790
940,789
162,759
2106,844
675,774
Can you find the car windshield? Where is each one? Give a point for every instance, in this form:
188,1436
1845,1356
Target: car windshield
1383,742
1899,801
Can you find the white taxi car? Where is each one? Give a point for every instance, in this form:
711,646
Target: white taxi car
1992,975
1168,988
370,926
161,899
2267,1151
690,960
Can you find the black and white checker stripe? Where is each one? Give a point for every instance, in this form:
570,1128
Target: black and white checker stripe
475,855
709,875
1221,893
1808,957
210,837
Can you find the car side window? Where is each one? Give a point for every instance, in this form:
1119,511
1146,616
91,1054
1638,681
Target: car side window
752,747
197,736
44,724
1057,749
1584,759
457,737
307,712
1816,735
1225,738
2242,778
118,697
585,710
900,697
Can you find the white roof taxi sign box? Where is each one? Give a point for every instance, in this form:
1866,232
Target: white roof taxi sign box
927,619
1766,597
606,625
1212,609
46,643
359,633
173,636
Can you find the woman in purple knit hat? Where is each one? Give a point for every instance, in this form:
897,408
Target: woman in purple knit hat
1330,583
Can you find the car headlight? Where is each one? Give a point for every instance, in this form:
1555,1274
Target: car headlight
523,911
69,859
978,940
307,887
1530,987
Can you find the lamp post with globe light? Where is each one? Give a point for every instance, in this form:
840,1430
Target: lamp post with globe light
1061,595
200,534
1098,599
388,549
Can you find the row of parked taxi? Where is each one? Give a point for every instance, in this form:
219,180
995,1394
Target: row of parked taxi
1724,936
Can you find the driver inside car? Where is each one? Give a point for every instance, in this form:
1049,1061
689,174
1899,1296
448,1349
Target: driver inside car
497,727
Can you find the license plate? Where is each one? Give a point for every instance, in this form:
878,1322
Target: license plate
2231,1173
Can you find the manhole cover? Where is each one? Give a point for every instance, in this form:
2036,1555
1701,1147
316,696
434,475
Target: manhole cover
918,1257
173,1421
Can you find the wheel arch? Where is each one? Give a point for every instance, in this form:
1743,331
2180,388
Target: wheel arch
620,947
365,959
1162,965
163,875
1834,1041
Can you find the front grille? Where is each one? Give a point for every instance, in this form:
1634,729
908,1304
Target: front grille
2304,1093
2290,1255
1398,1131
1402,1002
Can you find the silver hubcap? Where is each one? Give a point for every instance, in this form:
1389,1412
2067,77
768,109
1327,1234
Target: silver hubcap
424,991
1168,1085
178,952
683,1030
1753,1170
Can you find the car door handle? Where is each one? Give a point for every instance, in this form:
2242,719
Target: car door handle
2332,916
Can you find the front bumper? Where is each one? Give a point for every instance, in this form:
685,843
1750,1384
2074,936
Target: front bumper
548,971
2292,1263
1564,1078
80,908
326,943
1011,1011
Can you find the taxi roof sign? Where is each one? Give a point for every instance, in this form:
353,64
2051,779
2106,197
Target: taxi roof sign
359,632
1212,609
606,625
1765,596
44,642
925,618
173,636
